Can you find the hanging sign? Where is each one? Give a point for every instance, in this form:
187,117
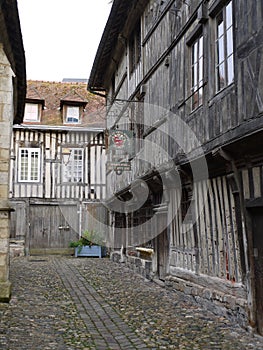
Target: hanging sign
120,145
121,140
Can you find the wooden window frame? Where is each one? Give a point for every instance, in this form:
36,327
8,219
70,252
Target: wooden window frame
224,47
75,176
67,117
25,169
197,71
27,113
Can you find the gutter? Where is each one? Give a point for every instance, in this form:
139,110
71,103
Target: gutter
55,128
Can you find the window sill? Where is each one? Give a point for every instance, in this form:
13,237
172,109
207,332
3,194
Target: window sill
222,93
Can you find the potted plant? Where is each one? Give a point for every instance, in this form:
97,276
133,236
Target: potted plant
89,244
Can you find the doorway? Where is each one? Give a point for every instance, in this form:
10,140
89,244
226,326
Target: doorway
51,227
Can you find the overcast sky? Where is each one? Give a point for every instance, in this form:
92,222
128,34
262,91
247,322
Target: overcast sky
61,37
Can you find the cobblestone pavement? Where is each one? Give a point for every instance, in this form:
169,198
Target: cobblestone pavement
68,303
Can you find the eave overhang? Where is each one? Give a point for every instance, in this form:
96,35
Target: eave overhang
113,30
14,49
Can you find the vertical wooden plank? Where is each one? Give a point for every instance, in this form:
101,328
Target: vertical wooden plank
245,180
221,232
235,271
199,224
180,232
256,182
207,230
48,180
211,239
228,231
218,226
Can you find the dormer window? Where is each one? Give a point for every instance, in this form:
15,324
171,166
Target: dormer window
72,114
32,112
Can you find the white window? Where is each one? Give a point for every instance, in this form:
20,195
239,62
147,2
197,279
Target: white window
72,114
31,112
224,47
197,72
29,165
72,166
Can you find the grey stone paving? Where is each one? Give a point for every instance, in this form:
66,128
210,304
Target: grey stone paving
68,303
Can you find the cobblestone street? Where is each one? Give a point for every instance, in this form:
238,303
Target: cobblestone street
67,303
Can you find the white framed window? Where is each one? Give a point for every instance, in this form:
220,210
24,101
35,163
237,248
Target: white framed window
224,47
197,68
31,112
29,165
72,167
72,114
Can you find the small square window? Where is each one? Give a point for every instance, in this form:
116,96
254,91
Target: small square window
31,112
72,114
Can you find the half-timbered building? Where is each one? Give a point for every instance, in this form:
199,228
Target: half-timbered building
185,77
57,165
12,95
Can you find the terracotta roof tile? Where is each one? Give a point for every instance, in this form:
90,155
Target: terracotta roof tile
52,93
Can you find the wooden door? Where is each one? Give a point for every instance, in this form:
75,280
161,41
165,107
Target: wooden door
51,227
257,222
18,223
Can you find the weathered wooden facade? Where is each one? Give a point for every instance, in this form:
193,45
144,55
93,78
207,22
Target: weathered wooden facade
12,95
186,78
57,164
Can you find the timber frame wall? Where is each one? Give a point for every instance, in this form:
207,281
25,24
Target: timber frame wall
51,212
212,258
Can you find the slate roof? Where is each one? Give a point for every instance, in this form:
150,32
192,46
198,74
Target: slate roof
55,94
117,18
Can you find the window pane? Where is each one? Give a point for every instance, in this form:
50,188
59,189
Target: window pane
29,165
72,114
220,25
200,96
229,15
73,170
229,38
195,52
200,70
221,54
197,72
31,112
221,76
201,47
230,69
24,165
34,166
195,80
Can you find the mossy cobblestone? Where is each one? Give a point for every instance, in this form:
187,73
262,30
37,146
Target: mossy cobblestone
64,303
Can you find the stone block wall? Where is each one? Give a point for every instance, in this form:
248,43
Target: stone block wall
6,121
140,266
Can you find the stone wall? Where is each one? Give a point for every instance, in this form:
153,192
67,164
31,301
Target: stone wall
140,266
6,120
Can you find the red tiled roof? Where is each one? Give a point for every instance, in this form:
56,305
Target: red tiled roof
53,93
